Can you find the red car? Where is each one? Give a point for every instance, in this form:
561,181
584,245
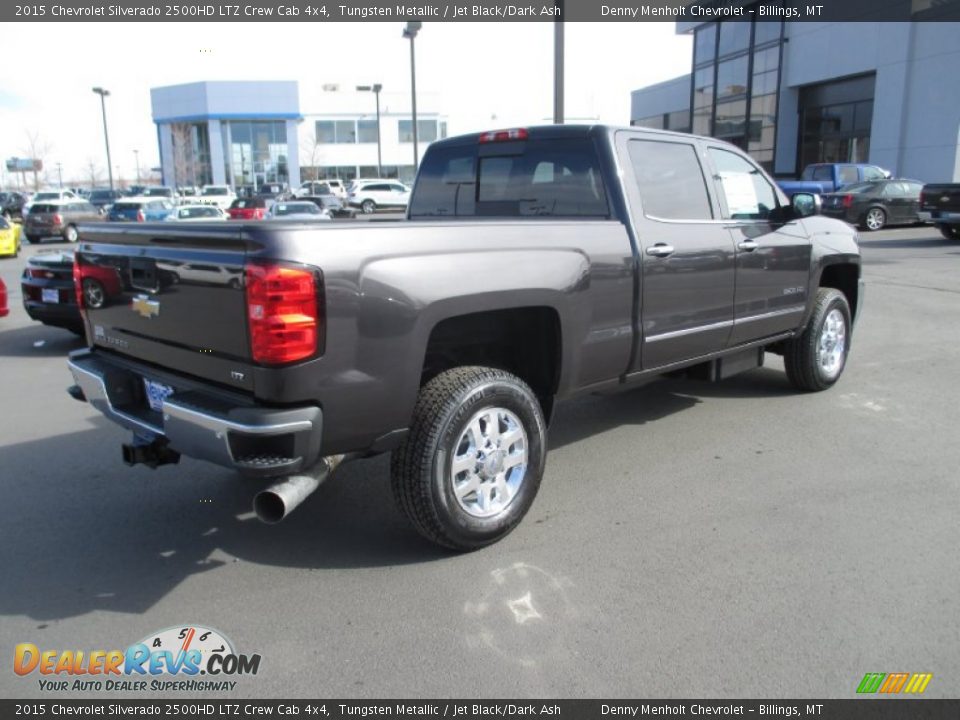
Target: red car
248,209
4,310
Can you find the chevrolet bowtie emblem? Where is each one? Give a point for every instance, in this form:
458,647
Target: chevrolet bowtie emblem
144,306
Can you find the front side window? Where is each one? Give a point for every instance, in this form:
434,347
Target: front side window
872,173
848,174
747,193
670,180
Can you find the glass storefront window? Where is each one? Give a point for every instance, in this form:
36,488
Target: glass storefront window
734,37
765,32
367,131
426,131
732,77
731,121
703,87
258,152
705,44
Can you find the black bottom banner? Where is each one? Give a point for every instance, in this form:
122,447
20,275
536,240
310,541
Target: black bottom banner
470,709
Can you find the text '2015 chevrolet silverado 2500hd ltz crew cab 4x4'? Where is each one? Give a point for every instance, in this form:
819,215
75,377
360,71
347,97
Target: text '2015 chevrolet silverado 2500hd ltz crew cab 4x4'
534,264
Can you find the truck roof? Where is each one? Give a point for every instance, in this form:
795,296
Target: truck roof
541,132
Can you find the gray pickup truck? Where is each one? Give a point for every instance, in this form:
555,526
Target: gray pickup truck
940,204
534,264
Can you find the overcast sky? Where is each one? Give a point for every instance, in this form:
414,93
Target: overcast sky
477,70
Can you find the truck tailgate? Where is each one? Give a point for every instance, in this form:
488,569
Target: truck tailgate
168,295
940,198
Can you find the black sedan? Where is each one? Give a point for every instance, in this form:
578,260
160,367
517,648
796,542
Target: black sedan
874,205
48,293
331,203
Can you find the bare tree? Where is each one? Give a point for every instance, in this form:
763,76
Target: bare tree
309,157
37,148
184,161
94,173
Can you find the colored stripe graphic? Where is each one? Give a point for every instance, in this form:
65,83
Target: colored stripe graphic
871,682
894,682
918,683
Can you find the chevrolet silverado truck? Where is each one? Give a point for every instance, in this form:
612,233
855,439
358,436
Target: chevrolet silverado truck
940,205
533,265
821,178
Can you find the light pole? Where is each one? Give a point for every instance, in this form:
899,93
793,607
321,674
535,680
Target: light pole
410,31
375,89
136,158
60,175
558,66
106,137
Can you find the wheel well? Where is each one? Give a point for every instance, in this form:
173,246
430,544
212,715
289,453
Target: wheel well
523,341
845,278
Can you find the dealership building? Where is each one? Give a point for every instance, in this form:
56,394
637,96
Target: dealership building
249,133
795,93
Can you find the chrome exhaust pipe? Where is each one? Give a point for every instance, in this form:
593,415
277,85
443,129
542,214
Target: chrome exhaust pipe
280,499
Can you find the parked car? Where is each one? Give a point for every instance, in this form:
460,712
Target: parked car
58,218
373,196
11,235
821,178
940,204
141,209
220,195
254,208
14,205
874,205
4,307
271,190
103,198
314,187
160,191
449,340
296,210
197,213
134,191
48,291
332,204
53,196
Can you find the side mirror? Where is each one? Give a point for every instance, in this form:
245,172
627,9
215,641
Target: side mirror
806,204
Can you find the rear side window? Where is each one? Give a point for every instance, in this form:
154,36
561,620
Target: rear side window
549,178
38,208
848,174
670,180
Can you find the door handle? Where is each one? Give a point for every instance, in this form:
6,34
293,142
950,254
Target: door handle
747,245
660,250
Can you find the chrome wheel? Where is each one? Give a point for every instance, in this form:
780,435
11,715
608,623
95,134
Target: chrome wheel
875,219
71,234
489,463
832,344
93,294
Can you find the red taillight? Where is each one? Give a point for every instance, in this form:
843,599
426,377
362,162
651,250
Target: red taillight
41,274
78,282
57,219
284,313
4,311
503,135
140,216
848,201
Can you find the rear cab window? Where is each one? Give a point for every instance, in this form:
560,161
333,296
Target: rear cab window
550,177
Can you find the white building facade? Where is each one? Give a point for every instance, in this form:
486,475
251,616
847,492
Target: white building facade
800,92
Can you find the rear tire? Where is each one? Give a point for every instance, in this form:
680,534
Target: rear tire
950,232
471,466
70,234
368,206
815,360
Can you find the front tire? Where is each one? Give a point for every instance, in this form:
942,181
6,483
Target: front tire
815,360
875,219
471,466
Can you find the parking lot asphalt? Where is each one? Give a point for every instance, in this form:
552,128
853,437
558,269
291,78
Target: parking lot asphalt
689,539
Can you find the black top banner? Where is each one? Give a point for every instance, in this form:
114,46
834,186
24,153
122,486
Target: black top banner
482,10
879,709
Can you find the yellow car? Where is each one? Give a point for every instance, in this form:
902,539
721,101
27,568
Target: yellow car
10,237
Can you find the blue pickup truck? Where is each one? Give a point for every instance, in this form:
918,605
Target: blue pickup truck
829,177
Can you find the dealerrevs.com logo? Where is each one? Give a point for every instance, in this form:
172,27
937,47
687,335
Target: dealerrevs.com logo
168,660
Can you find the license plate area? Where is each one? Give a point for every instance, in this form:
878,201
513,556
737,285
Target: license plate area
50,295
156,393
